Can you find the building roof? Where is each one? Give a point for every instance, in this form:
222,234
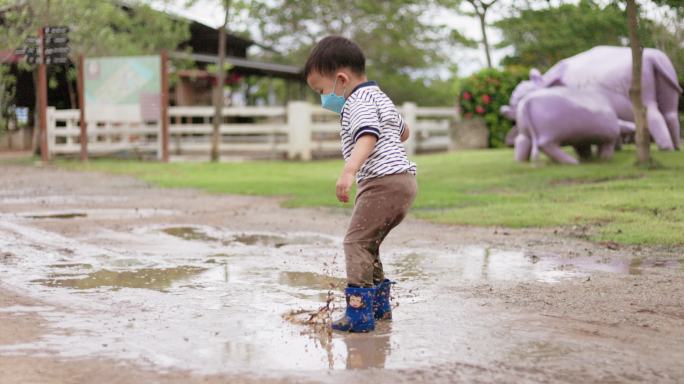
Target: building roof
246,66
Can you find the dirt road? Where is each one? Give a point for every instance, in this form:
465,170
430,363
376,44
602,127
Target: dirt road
106,279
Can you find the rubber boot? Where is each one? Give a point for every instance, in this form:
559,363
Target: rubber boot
359,314
382,310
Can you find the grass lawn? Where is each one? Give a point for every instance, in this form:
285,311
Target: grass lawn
622,203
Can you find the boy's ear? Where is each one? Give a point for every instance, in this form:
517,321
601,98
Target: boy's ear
342,79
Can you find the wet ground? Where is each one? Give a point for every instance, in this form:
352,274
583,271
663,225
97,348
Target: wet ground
186,286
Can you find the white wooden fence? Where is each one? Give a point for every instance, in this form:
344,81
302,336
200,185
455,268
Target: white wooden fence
297,131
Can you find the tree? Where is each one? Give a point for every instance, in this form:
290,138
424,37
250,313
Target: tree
7,90
542,37
98,28
481,7
218,89
221,68
643,139
402,49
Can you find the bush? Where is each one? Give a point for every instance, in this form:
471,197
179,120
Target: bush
482,95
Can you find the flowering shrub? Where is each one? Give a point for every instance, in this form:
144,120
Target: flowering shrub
483,94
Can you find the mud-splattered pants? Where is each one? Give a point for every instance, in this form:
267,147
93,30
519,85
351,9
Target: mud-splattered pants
381,204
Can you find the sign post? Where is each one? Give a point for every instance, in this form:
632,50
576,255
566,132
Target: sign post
50,47
42,97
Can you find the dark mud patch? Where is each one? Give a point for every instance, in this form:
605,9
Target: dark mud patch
146,278
60,216
189,233
260,239
8,258
72,266
311,280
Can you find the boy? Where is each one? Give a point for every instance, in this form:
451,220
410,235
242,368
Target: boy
372,135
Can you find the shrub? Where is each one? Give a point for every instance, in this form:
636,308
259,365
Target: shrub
482,95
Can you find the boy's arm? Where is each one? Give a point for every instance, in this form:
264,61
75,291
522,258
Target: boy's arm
405,133
362,149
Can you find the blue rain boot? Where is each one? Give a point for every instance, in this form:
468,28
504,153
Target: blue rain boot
359,314
382,310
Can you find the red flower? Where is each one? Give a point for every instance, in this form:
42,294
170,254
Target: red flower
468,116
479,110
467,96
486,99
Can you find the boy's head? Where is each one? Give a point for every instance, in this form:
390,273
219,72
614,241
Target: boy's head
334,64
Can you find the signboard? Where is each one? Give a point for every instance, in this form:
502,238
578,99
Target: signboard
123,88
56,45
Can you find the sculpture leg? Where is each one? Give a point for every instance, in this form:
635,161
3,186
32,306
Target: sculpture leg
667,98
583,151
672,121
658,128
523,148
556,153
606,150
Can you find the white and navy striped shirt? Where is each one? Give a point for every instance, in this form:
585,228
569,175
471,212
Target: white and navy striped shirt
368,111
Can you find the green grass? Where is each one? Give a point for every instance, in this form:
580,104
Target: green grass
619,201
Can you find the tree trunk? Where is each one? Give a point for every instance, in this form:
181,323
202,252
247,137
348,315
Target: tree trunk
485,41
643,139
218,90
70,89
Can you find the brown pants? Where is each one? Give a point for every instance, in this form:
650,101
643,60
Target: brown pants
381,204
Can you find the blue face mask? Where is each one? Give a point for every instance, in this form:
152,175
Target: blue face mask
333,102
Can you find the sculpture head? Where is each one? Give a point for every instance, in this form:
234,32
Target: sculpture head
523,89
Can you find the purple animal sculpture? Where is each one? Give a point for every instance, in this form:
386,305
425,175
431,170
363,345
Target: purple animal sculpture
608,71
548,118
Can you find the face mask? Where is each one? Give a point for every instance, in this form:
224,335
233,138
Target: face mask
333,102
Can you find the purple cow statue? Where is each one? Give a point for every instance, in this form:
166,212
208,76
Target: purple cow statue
548,118
605,73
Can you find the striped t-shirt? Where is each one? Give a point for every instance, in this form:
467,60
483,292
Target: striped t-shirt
368,111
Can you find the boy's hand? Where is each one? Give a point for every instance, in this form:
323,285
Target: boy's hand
344,186
362,149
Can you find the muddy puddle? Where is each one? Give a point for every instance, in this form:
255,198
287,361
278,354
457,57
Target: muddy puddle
212,300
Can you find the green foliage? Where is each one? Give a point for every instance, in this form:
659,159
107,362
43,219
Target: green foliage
614,200
400,47
98,28
542,37
483,94
7,91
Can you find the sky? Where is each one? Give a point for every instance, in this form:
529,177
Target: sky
469,60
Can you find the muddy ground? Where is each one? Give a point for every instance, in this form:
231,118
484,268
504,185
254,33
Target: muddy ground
107,279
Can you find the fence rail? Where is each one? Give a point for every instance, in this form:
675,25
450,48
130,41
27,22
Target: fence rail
297,131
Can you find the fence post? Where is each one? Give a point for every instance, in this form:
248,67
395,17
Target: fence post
299,130
51,125
410,118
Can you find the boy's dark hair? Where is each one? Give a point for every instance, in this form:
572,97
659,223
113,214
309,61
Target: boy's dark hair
333,53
